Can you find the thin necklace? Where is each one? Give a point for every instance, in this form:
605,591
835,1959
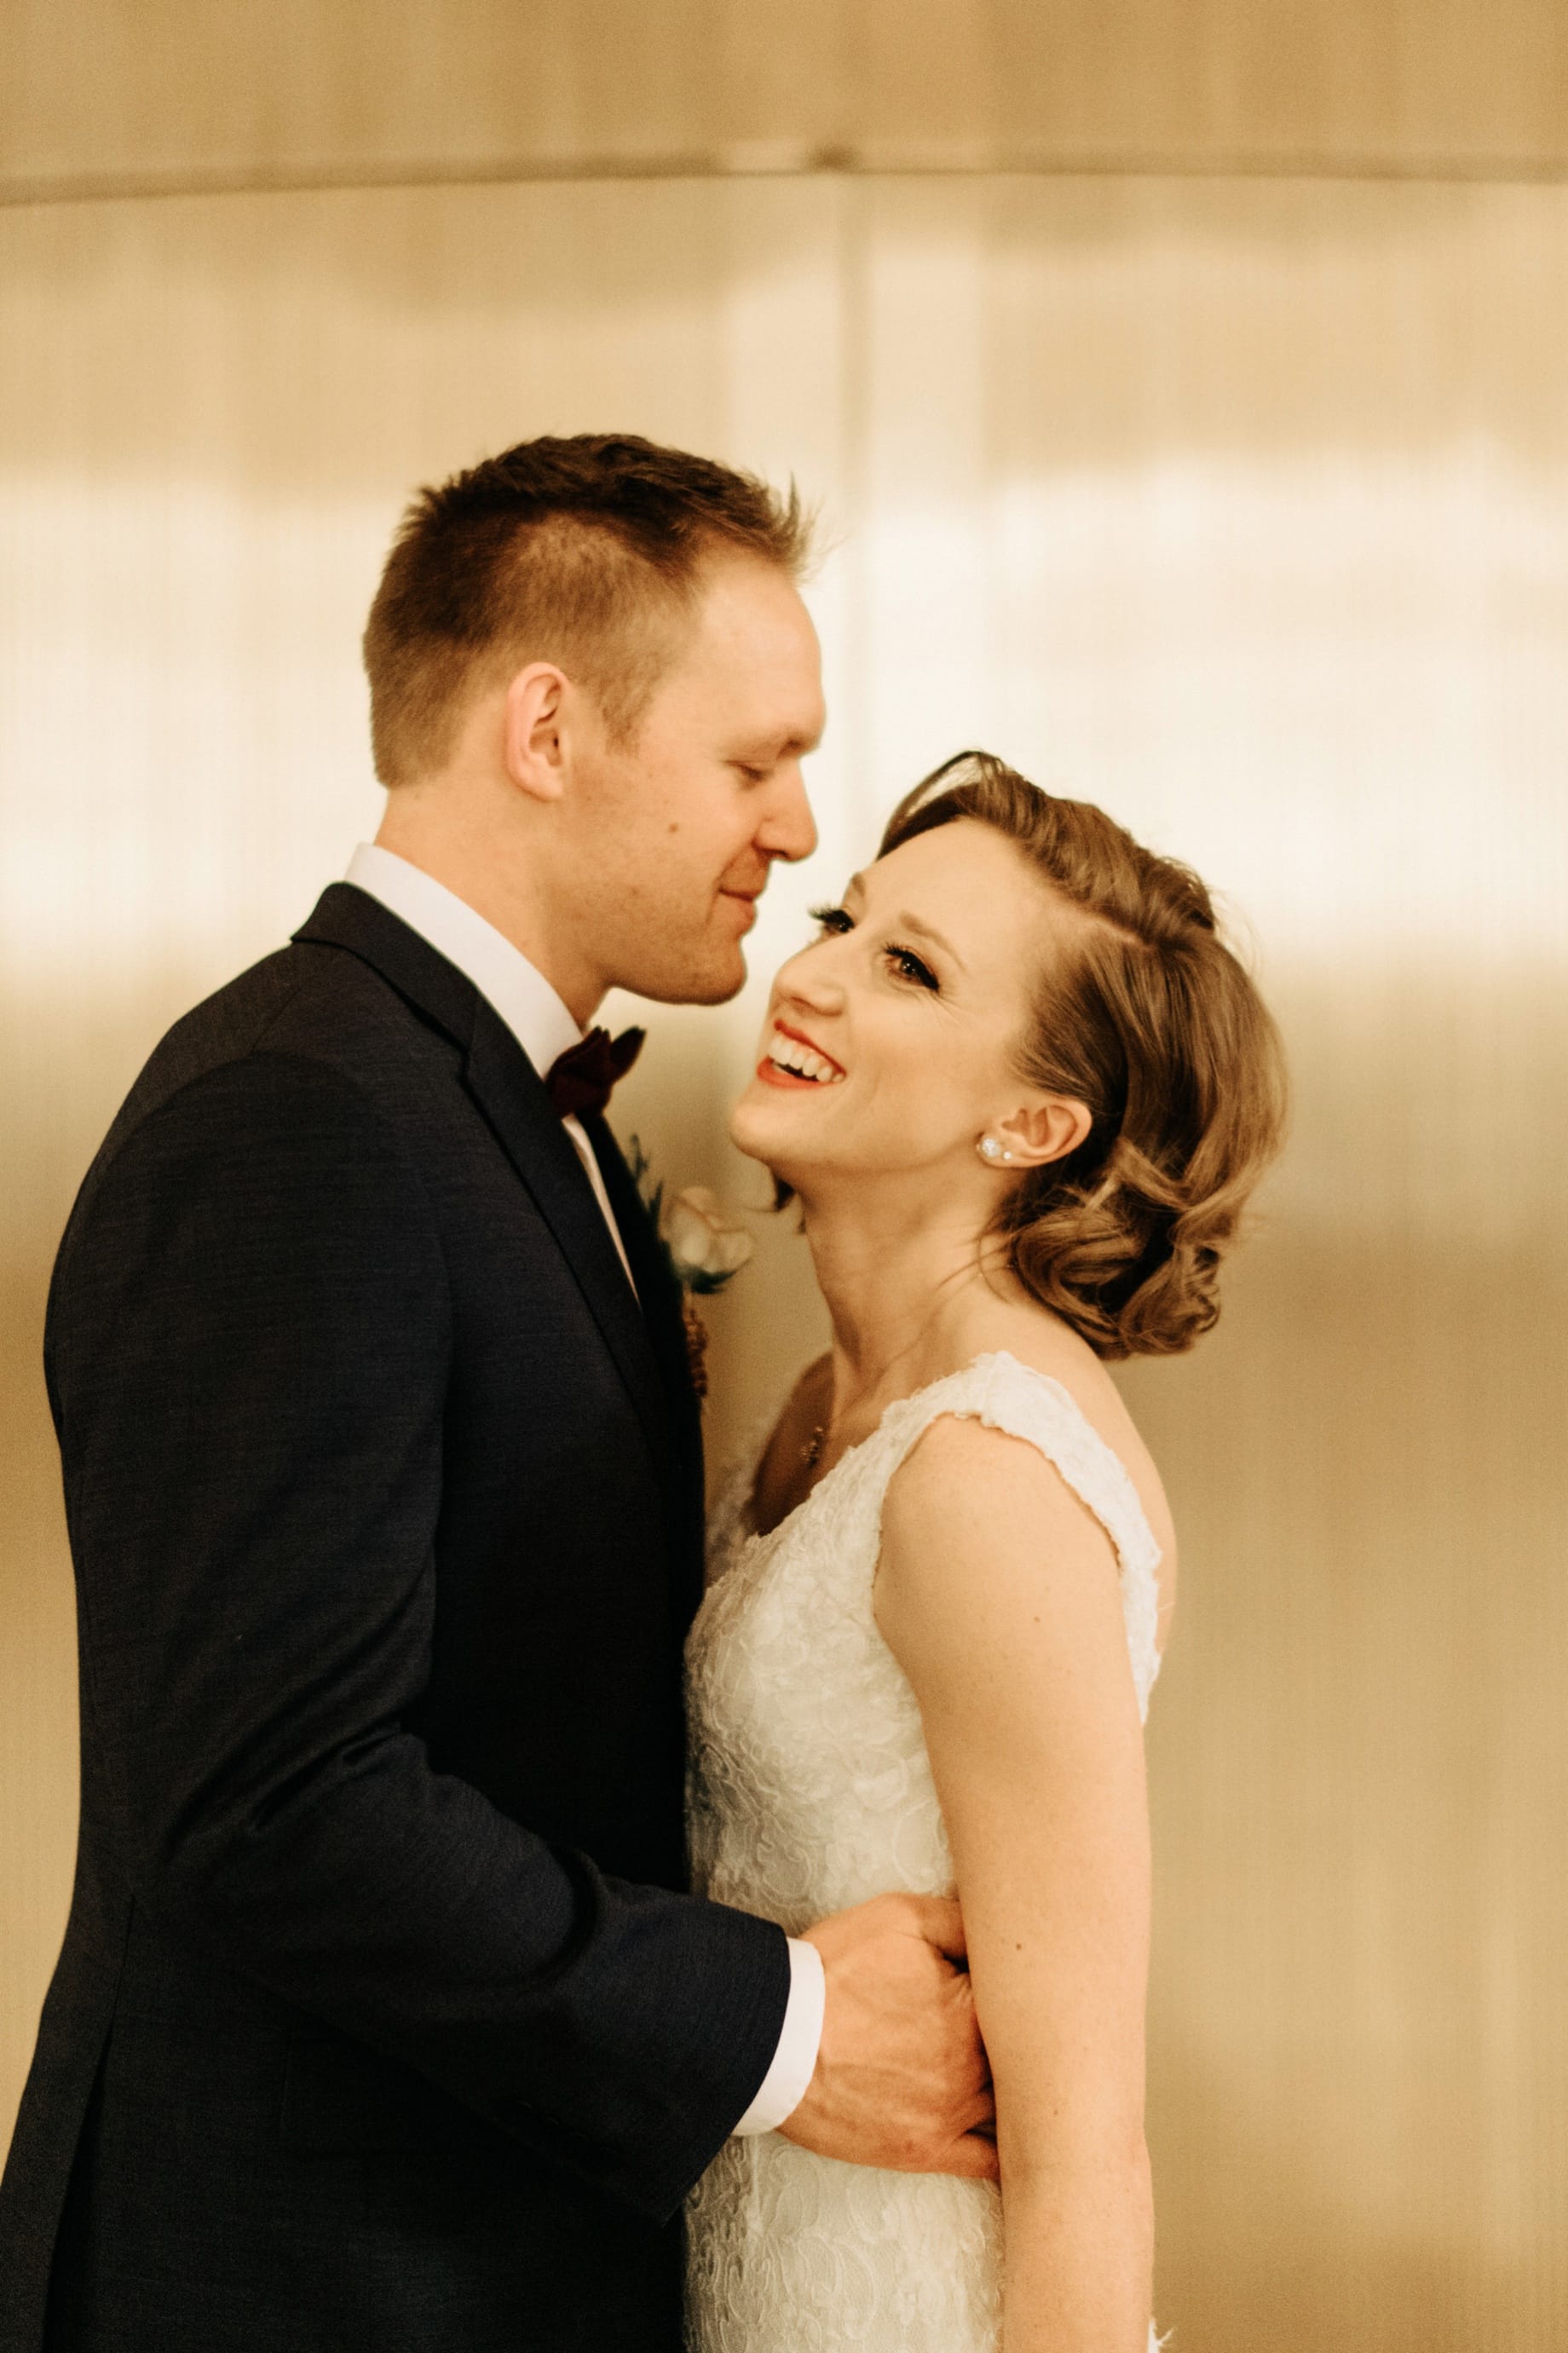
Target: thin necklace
811,1452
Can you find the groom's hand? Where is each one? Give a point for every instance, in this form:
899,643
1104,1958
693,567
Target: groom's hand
902,2079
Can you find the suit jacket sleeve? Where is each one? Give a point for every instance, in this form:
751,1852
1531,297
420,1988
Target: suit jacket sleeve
249,1353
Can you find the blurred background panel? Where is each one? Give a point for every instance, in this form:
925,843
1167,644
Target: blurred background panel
1183,388
104,94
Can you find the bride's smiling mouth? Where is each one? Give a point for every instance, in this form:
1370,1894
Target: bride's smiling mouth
790,1060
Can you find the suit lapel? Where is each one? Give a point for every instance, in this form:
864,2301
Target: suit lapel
511,1096
657,1287
662,1309
510,1093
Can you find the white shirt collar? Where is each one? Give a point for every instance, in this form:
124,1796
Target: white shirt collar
518,990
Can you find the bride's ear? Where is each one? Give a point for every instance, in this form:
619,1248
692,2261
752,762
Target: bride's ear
1048,1129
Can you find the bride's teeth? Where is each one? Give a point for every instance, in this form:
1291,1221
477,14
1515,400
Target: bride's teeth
803,1062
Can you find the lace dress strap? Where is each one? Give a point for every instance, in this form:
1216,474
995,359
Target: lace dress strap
1006,1394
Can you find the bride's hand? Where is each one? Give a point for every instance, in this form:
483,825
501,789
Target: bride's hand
901,2077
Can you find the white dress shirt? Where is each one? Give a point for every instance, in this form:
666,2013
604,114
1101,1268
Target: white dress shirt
545,1028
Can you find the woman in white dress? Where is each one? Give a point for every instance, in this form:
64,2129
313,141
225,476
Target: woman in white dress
1021,1090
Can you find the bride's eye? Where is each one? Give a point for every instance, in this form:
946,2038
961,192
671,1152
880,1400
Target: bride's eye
909,966
832,919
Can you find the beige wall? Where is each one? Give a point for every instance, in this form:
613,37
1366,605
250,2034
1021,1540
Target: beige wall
1238,503
103,94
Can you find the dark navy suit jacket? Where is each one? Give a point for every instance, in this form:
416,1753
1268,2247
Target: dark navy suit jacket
383,2020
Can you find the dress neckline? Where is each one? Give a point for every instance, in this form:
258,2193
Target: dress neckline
755,1535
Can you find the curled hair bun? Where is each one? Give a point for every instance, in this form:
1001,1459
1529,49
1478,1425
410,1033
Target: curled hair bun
1134,1271
1145,1016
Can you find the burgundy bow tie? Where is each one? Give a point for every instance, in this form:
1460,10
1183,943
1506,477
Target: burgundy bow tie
581,1080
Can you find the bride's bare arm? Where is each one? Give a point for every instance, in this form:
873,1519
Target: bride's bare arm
997,1594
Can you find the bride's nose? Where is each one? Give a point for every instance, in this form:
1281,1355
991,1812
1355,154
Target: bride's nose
808,980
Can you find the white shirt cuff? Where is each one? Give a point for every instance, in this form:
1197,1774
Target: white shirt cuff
783,2086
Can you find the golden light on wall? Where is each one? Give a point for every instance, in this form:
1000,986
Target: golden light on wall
1240,507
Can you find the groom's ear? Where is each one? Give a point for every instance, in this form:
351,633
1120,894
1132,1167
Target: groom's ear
532,750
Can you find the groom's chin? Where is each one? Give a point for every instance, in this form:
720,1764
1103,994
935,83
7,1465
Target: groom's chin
717,980
721,974
709,989
723,988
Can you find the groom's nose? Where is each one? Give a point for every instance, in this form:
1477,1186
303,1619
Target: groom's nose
788,829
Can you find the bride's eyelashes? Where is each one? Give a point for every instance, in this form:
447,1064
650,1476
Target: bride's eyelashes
832,919
909,966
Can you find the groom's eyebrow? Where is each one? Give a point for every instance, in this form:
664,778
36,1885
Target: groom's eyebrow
779,747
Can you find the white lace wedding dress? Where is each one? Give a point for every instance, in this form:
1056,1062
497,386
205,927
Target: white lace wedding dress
810,1792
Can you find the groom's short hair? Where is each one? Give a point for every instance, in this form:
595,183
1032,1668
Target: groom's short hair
585,550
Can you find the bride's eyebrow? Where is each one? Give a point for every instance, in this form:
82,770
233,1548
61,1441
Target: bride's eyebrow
932,939
910,923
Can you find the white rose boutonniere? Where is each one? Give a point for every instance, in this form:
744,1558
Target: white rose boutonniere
707,1243
704,1244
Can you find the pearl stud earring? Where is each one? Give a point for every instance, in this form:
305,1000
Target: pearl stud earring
997,1154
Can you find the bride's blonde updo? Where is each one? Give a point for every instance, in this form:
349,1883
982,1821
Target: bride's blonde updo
1148,1018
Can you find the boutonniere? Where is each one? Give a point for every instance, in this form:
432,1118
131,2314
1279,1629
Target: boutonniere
703,1244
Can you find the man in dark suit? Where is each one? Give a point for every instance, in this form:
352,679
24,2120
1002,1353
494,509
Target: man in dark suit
384,2020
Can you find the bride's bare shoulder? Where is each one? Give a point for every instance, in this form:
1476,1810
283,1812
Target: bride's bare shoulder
1042,1341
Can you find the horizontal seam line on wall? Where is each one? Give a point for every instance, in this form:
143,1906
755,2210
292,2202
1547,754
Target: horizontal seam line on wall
822,164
